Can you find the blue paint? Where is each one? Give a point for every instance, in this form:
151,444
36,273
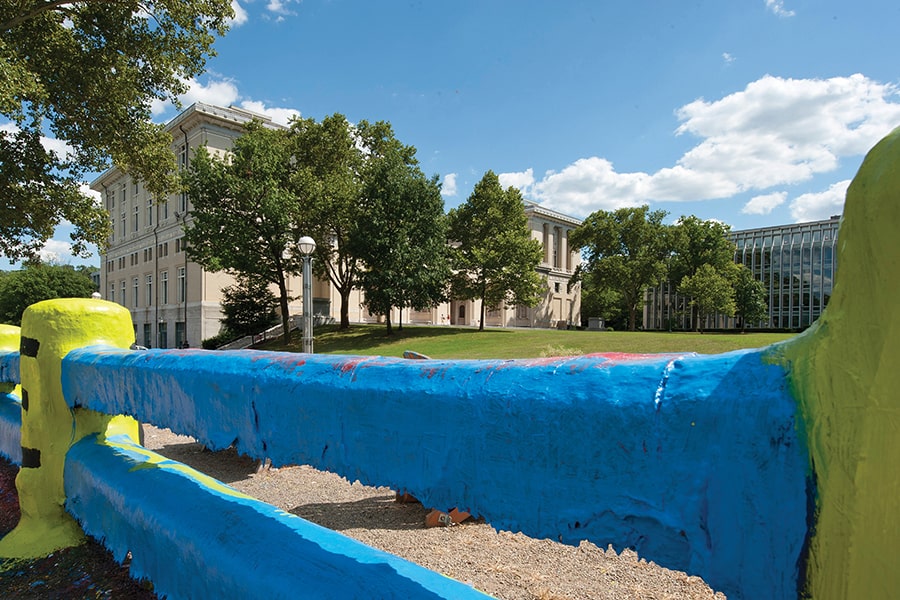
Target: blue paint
9,367
11,428
195,538
694,461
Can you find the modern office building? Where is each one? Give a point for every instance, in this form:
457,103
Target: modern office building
174,301
796,264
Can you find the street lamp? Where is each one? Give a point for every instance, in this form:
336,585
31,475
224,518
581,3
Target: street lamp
307,246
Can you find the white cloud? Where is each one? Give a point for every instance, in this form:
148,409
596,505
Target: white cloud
822,205
279,115
763,205
728,58
224,92
56,252
240,15
280,8
522,180
777,7
448,187
774,132
61,148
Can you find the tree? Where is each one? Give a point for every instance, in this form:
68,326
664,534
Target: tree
710,292
697,242
244,210
625,251
493,254
327,164
750,297
88,72
402,240
37,282
248,306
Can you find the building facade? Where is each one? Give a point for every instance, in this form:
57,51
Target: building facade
175,302
796,264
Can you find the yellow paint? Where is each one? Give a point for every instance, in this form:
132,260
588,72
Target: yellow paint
49,426
846,375
9,340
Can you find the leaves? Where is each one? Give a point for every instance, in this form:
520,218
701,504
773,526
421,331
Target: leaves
625,251
88,73
493,254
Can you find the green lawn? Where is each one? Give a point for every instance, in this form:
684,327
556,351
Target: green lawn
464,342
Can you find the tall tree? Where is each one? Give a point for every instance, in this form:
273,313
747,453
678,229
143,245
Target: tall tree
244,208
750,297
88,72
625,251
493,254
36,282
402,240
327,165
710,292
698,242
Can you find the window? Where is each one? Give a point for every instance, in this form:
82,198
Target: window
149,212
123,195
180,340
123,293
180,285
163,341
164,287
556,287
110,200
112,292
136,216
124,223
165,208
150,290
135,296
148,341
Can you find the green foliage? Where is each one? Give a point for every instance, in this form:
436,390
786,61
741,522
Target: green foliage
328,162
625,251
402,239
88,72
605,303
710,292
698,242
493,254
750,298
244,210
37,282
220,339
249,306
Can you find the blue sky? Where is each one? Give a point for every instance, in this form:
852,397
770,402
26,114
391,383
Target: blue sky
752,112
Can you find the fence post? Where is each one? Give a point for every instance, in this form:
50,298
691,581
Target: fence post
9,340
50,329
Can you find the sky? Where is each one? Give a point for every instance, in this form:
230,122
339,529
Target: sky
751,112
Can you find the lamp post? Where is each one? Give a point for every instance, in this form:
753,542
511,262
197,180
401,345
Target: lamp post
307,246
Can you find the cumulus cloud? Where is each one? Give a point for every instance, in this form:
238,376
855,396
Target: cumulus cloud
224,92
279,115
774,132
448,186
522,180
240,15
56,252
822,205
777,7
765,204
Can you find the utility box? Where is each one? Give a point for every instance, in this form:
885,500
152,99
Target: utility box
595,324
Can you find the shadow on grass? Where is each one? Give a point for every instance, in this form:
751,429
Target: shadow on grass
330,339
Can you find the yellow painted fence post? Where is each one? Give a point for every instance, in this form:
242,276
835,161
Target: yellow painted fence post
50,330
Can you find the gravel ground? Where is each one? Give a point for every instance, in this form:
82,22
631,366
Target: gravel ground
508,566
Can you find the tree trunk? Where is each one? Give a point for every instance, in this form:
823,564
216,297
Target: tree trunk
285,316
400,320
387,321
345,307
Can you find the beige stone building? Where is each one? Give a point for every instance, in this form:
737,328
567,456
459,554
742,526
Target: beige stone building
174,301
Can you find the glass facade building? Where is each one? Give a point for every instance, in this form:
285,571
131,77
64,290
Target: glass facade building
796,264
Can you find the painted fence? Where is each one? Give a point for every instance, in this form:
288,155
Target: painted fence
771,473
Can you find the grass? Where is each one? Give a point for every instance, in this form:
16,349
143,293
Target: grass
465,342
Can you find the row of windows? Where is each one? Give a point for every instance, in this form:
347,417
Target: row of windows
149,211
162,251
162,335
149,298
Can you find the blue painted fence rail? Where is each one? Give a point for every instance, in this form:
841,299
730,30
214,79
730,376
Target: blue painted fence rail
694,461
